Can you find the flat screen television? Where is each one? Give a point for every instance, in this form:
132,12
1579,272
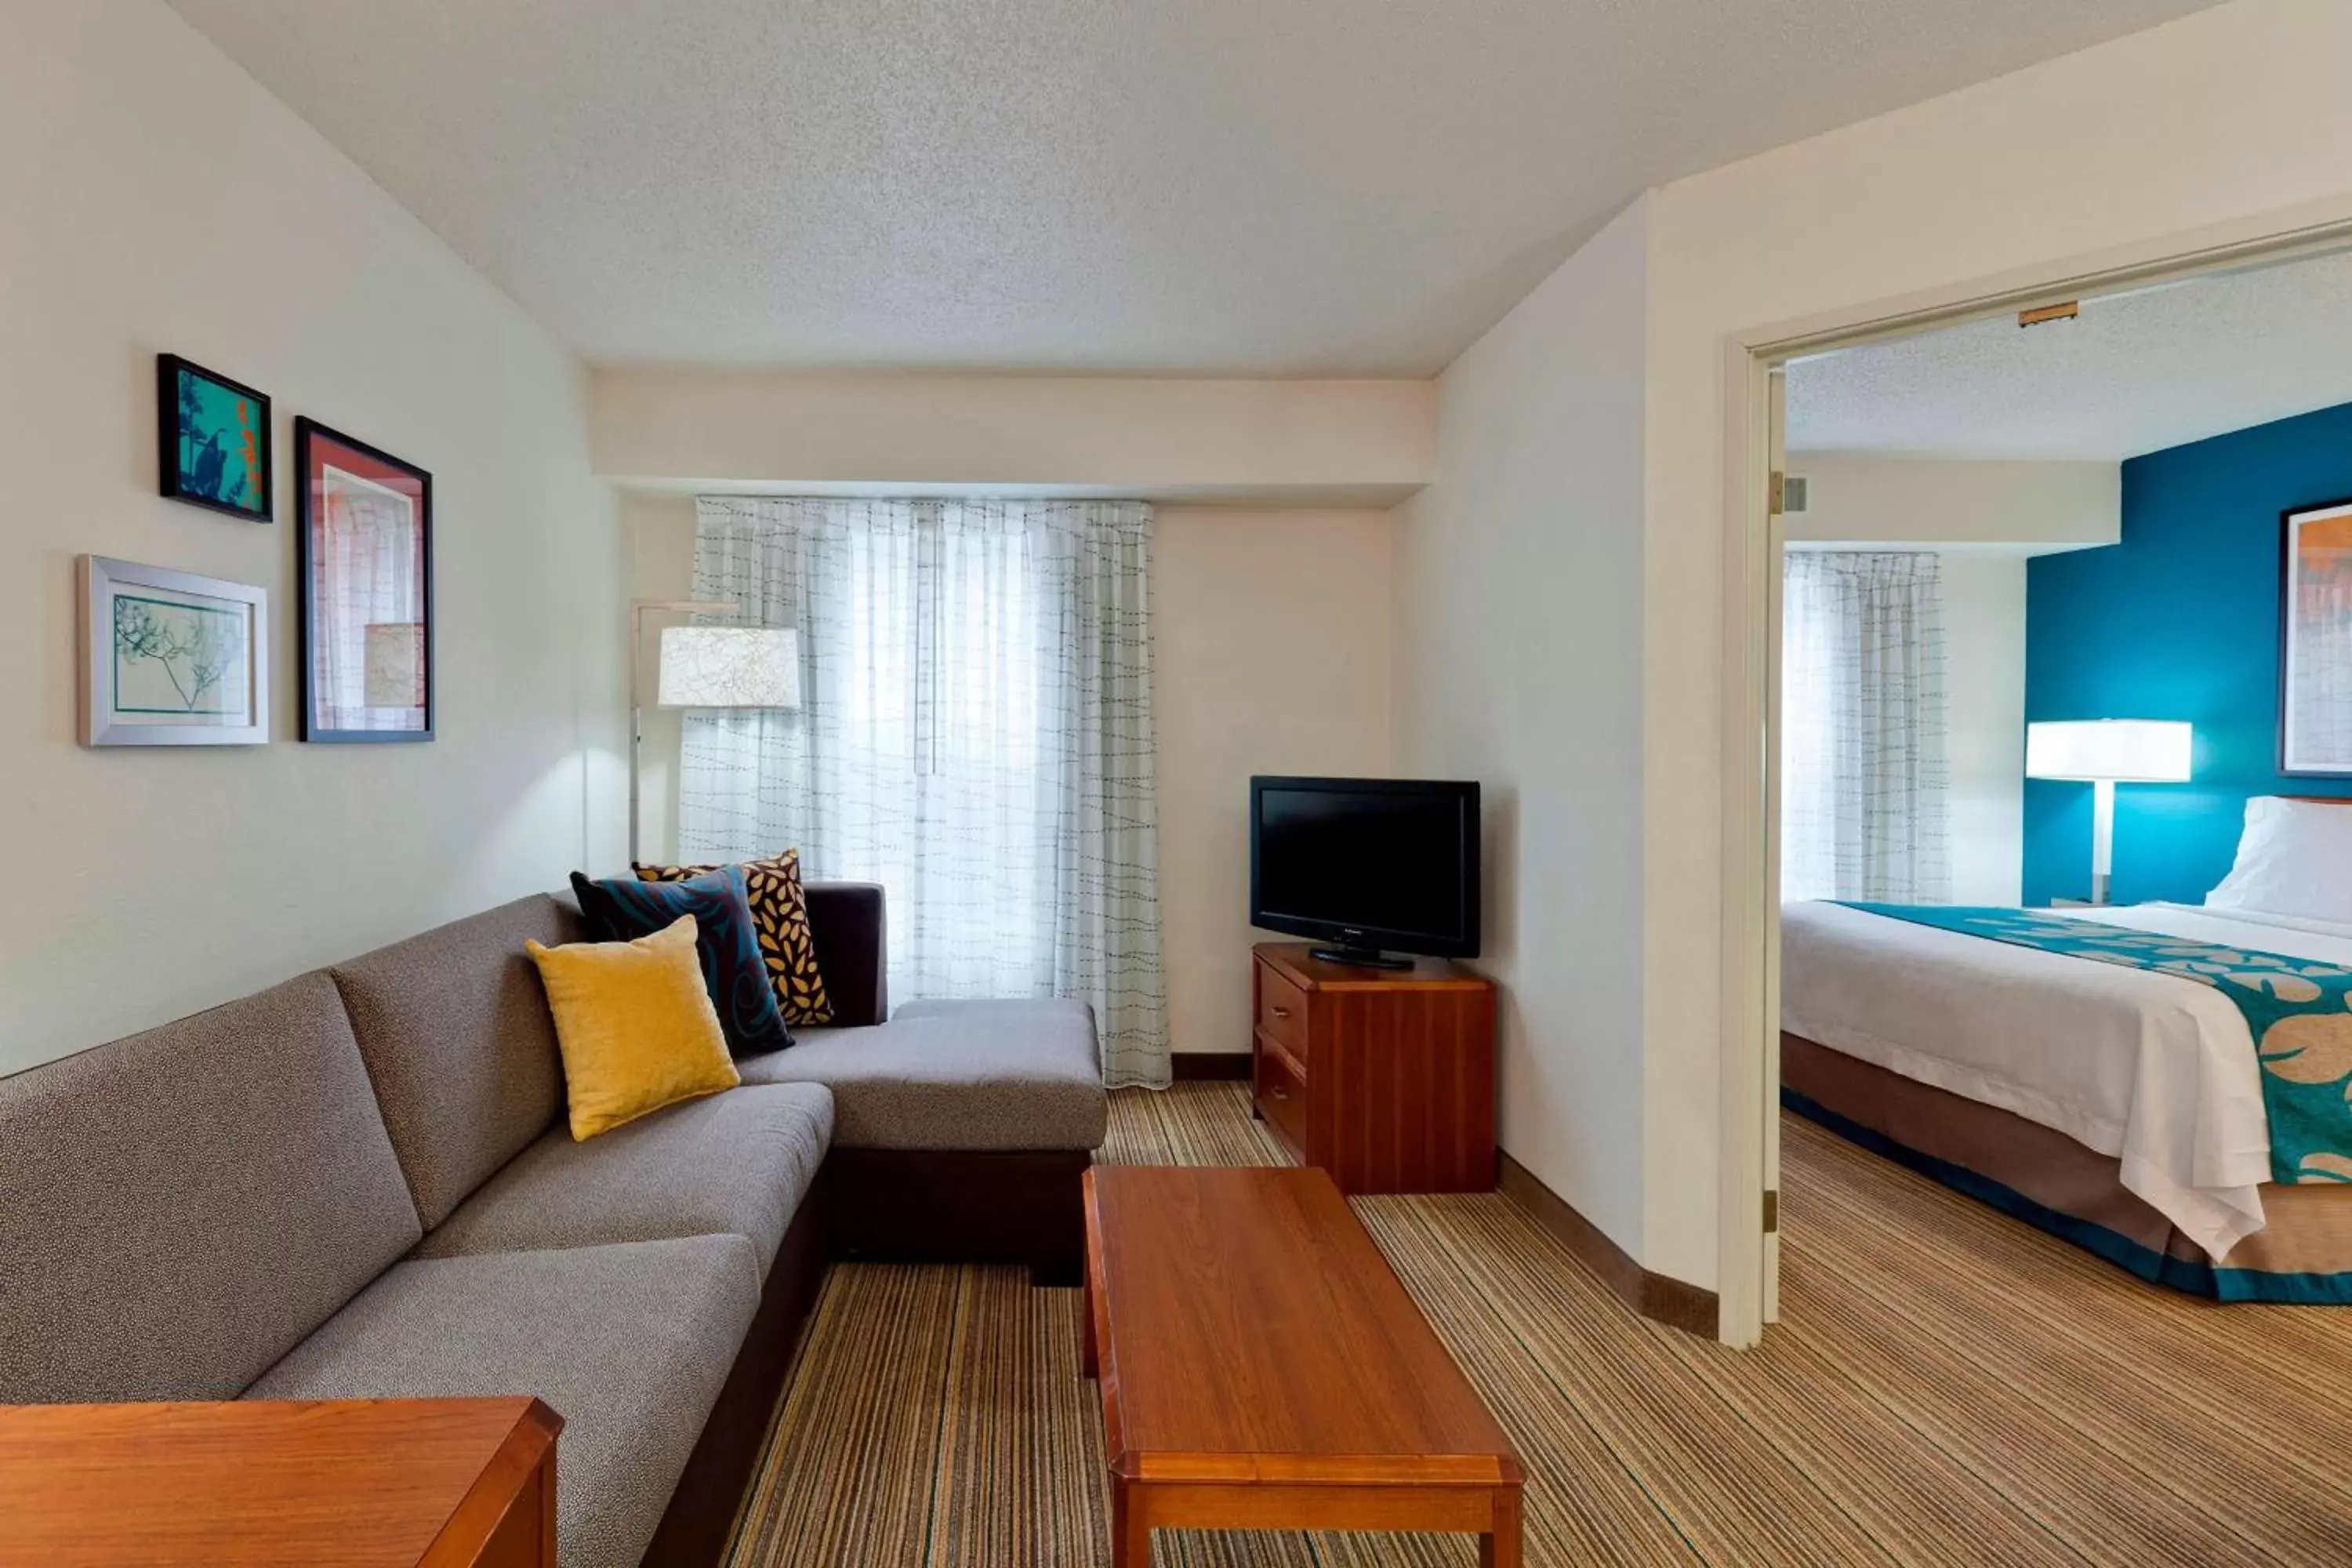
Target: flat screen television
1367,866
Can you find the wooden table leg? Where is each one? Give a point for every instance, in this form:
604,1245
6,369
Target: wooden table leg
1130,1526
1499,1547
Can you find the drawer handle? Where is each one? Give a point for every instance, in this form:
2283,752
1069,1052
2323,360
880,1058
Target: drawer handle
1280,1011
1277,1091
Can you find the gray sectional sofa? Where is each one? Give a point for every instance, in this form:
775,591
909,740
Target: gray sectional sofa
359,1184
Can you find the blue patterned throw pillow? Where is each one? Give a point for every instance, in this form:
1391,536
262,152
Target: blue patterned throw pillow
624,909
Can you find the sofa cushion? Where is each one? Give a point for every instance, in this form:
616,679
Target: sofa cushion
455,1027
629,1344
738,1162
780,920
636,1026
624,909
957,1074
179,1208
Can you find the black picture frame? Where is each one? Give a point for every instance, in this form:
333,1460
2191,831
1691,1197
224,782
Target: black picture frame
2290,765
173,476
312,441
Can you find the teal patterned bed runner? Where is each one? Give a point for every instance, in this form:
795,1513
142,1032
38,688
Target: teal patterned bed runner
2299,1012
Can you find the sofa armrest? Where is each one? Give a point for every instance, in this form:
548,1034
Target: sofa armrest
846,924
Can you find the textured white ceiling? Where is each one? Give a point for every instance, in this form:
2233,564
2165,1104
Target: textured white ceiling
1243,187
2131,375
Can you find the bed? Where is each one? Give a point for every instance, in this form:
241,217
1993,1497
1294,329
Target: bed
2112,1092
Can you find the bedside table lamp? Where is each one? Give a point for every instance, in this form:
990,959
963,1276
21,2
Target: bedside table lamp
2104,752
708,667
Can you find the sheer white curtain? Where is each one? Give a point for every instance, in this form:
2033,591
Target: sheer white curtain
1865,802
975,734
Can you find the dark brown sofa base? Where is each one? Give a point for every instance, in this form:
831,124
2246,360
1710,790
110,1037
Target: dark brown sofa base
701,1515
926,1205
870,1205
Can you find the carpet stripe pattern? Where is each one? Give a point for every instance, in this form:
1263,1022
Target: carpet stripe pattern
1948,1386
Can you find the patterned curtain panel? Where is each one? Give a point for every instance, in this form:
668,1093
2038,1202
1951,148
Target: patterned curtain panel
1864,797
975,734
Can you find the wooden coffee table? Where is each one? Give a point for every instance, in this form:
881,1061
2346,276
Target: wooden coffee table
1263,1368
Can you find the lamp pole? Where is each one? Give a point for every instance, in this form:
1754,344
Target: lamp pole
638,610
2103,837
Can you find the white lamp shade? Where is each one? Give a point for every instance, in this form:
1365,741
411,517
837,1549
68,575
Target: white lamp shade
2126,751
730,667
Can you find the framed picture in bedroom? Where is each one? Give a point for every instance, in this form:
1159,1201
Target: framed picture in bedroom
363,557
170,658
214,440
2315,720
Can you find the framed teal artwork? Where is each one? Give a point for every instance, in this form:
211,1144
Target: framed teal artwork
213,449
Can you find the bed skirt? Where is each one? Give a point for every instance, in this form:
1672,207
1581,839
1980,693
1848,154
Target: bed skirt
2302,1254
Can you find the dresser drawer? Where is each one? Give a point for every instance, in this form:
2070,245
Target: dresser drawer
1282,1013
1281,1098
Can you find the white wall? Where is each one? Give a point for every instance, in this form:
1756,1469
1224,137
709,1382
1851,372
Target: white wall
1273,652
2217,128
2030,505
153,197
1519,588
2223,125
1320,443
1984,692
1273,647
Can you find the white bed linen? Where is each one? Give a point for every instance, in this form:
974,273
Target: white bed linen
2156,1071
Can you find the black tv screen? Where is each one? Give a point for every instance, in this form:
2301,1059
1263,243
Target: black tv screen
1369,864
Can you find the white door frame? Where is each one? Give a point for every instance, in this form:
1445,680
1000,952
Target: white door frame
1747,1284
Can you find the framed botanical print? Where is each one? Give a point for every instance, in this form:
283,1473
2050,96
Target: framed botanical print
2315,720
213,449
170,658
364,557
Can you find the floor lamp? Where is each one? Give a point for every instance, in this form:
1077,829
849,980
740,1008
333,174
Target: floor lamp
2104,752
706,667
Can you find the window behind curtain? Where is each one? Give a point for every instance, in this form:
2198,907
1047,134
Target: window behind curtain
1865,799
975,735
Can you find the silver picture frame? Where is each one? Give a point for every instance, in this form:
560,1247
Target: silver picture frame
171,659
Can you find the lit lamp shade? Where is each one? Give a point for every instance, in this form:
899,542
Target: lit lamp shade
2124,751
730,667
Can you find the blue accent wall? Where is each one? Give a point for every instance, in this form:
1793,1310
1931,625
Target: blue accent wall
2179,621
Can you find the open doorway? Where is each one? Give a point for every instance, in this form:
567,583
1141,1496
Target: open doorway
2064,719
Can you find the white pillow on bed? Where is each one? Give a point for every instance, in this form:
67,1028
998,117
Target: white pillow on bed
2294,857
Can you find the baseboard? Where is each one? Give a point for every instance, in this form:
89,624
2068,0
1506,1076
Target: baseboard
1194,1066
1668,1300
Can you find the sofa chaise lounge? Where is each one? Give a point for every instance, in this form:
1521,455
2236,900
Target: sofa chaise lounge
359,1184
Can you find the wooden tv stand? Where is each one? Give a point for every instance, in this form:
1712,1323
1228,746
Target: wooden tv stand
1383,1077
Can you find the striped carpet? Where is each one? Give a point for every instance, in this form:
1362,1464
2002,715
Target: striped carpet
1949,1386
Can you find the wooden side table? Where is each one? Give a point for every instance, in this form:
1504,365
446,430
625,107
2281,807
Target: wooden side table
1385,1079
369,1483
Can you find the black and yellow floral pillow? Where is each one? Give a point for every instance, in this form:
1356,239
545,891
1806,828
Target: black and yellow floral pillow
780,921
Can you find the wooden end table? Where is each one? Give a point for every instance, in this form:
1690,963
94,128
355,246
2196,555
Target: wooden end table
366,1483
1263,1368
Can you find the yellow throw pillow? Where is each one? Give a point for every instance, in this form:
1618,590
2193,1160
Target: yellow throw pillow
636,1026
